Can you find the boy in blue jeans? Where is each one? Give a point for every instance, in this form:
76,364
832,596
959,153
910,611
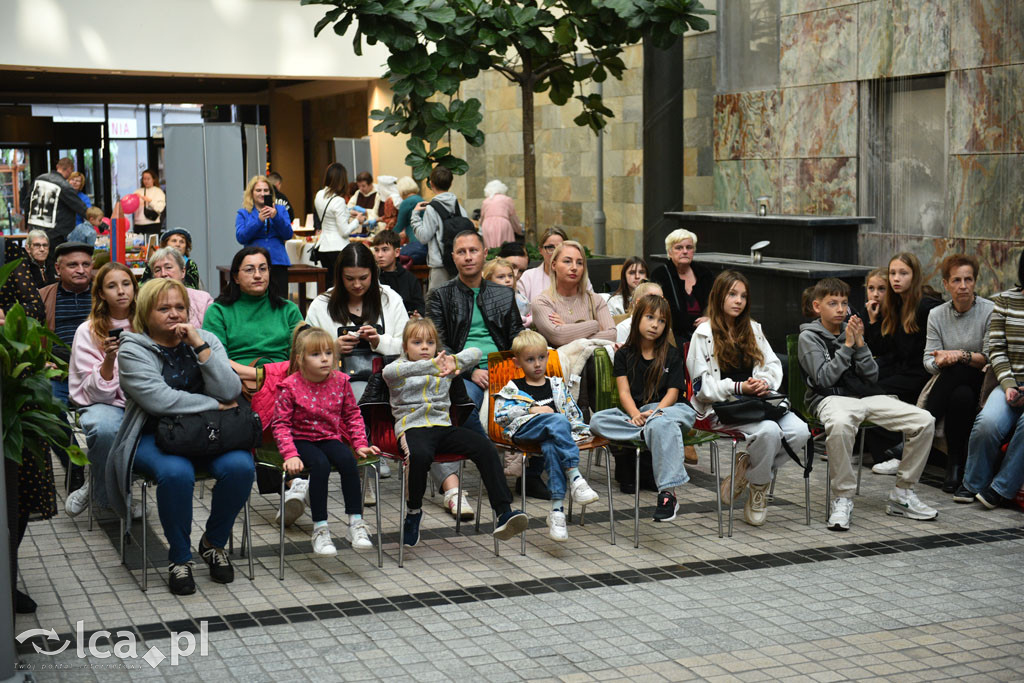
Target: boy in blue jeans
540,409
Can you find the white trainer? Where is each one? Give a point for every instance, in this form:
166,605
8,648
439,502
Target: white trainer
451,502
322,544
889,467
557,529
905,503
294,502
77,501
839,520
582,494
358,536
384,468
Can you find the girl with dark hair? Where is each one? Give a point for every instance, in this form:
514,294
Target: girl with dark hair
729,356
634,271
372,314
652,391
254,324
331,209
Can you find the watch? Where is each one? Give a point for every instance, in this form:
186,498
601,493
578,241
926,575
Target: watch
199,349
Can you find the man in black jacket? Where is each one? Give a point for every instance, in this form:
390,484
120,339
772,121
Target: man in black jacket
54,204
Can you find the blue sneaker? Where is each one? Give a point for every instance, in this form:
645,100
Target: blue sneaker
510,524
412,528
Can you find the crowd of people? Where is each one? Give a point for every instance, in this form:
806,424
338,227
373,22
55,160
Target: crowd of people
686,353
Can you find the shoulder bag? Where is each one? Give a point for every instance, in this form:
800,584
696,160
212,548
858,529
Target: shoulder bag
148,212
318,224
210,433
746,409
358,363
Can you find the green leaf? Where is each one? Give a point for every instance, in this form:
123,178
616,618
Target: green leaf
565,34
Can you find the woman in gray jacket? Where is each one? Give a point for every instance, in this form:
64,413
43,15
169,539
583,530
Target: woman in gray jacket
168,367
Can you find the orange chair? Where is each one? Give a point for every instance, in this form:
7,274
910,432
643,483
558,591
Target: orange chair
501,369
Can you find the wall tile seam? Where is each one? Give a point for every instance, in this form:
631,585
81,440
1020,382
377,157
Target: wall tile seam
849,3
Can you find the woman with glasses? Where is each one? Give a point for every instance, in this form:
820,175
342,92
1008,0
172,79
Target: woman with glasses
37,244
254,324
536,281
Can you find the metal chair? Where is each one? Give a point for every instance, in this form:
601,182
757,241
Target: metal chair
500,370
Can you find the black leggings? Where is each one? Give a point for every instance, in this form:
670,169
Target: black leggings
954,396
422,443
318,457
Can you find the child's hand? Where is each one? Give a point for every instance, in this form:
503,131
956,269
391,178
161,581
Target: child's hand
641,419
367,451
854,331
445,363
540,410
293,466
873,308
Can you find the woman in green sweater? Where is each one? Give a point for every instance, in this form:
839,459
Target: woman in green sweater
252,323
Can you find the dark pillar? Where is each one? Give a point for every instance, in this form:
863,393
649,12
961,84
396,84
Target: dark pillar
663,142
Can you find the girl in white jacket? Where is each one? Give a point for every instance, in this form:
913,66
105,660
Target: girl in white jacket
729,357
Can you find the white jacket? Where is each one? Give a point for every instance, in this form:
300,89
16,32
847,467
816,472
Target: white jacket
702,367
335,226
393,316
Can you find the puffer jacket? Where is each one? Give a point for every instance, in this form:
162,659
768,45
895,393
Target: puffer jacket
449,307
512,409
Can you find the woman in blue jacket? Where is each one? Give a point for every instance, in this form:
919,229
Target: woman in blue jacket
263,223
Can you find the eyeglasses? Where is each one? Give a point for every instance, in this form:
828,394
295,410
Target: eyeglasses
38,245
249,270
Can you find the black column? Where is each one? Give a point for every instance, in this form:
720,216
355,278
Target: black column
663,142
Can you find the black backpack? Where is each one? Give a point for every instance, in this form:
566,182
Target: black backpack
451,225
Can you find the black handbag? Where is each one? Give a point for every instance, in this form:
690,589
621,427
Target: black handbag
358,364
150,213
318,224
744,409
210,433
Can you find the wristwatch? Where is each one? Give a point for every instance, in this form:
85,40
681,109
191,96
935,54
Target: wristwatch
199,349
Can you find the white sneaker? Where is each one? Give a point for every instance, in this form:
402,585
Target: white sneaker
322,544
888,467
839,520
582,494
294,502
557,530
451,502
905,503
384,468
137,509
358,536
77,501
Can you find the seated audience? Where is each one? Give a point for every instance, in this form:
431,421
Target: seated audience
263,223
875,285
180,239
387,191
515,254
37,246
387,246
536,281
634,271
843,392
168,262
686,284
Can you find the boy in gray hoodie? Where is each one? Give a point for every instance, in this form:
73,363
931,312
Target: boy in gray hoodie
841,392
428,226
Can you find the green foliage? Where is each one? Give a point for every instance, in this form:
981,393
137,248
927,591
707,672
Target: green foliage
532,251
32,418
435,45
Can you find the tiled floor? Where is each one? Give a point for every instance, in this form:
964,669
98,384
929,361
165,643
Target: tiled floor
890,599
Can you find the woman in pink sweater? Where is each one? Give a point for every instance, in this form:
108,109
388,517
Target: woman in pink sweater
316,415
498,220
92,374
567,311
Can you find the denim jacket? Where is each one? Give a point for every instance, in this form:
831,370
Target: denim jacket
512,409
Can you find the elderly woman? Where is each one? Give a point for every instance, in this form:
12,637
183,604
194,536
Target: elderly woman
567,311
535,281
498,220
686,284
954,352
254,324
168,367
332,211
150,197
180,239
92,374
409,191
168,262
262,223
37,245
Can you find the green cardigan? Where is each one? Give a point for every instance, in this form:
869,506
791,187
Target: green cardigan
251,329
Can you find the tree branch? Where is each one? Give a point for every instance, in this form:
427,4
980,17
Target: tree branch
508,73
549,69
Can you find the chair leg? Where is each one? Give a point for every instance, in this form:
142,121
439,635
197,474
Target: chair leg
771,489
522,481
401,513
376,492
145,554
124,533
611,507
714,461
280,542
809,453
732,474
828,491
713,448
636,501
479,502
202,489
860,458
92,487
247,538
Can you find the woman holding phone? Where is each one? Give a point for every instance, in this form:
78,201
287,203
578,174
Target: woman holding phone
262,223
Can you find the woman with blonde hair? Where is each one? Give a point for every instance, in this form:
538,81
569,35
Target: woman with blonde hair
567,311
263,223
498,220
535,281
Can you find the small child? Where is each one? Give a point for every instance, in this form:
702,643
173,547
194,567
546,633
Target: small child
315,413
842,392
642,290
875,284
87,231
419,382
540,409
503,272
387,246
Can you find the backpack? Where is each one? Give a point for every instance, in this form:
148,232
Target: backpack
451,225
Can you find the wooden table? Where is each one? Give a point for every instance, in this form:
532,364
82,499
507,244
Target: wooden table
300,274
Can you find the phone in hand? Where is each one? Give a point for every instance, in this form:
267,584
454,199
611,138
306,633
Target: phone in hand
347,329
115,333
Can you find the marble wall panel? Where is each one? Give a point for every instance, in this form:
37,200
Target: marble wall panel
980,36
818,121
799,6
745,125
818,47
998,261
737,184
976,110
818,186
903,37
977,192
1013,36
874,248
929,251
874,40
1013,107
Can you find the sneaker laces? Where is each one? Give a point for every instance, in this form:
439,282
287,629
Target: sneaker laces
216,556
181,571
358,529
758,497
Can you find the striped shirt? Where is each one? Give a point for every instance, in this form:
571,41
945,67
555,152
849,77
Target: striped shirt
70,311
1006,338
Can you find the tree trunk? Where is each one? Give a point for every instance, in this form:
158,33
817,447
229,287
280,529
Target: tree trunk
529,160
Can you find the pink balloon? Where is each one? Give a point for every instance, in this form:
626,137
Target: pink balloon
130,203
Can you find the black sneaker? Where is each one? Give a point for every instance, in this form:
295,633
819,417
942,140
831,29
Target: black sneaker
990,499
23,604
667,507
182,582
411,528
510,524
221,570
964,495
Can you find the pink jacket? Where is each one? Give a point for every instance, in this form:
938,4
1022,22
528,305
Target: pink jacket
85,383
198,302
498,220
316,412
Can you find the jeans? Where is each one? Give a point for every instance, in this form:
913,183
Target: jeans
991,427
318,457
663,434
100,422
175,478
553,433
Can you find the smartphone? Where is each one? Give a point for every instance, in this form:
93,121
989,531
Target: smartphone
347,329
115,333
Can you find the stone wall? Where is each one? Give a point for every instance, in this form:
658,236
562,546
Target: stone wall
700,69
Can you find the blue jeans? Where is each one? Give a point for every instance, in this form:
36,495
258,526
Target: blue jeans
175,478
100,423
663,433
554,434
60,390
991,427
